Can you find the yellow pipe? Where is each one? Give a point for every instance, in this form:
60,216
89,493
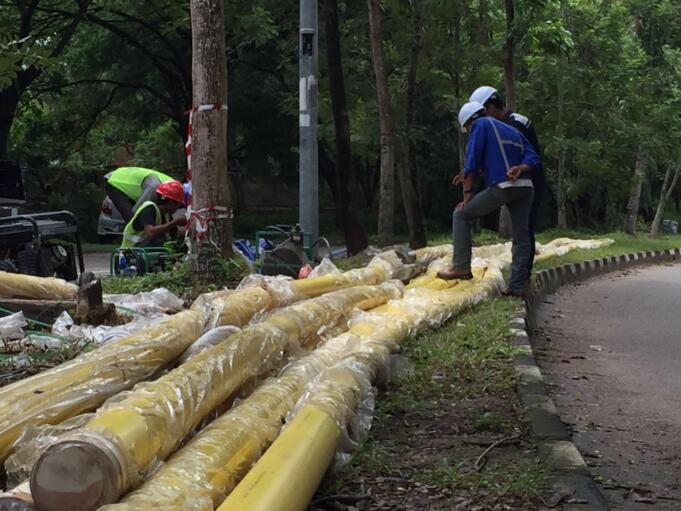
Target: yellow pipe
380,269
287,475
313,428
127,436
14,285
235,307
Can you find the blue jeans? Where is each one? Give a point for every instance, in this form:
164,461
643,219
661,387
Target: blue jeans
539,182
519,202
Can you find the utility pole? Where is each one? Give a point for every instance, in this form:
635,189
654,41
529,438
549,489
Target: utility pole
309,180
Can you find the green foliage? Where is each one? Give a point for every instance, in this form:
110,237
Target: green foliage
600,80
180,280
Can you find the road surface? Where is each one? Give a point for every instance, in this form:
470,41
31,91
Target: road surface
97,262
610,349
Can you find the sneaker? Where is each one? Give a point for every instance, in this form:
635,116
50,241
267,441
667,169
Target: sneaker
455,274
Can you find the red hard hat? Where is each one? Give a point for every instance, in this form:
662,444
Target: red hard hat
172,190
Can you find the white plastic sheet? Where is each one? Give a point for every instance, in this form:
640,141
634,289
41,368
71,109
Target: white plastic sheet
12,326
158,301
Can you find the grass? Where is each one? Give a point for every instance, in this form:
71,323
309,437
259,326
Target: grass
179,280
99,248
624,244
462,387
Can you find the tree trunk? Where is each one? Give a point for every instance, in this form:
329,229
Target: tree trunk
509,56
635,194
561,198
386,206
411,187
456,61
9,99
509,81
347,187
210,195
666,193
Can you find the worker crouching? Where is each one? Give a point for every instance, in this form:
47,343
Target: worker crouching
152,222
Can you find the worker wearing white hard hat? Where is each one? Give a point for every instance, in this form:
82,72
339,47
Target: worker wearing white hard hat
495,107
505,158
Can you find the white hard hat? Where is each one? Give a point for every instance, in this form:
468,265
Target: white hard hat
467,111
482,94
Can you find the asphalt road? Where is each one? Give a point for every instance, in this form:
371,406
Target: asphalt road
97,262
611,352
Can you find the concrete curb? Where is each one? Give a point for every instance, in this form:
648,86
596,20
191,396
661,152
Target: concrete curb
570,475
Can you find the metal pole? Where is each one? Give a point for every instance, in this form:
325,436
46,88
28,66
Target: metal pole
309,185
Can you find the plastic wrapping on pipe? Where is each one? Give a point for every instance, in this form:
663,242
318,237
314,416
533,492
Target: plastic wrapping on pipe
85,382
500,254
288,474
202,473
234,308
15,285
380,269
562,246
199,476
141,427
32,443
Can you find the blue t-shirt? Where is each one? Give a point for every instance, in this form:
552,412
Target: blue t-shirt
484,153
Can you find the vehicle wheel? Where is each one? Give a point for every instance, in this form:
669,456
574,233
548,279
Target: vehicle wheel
8,266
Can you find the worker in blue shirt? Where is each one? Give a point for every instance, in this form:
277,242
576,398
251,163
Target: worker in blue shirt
506,159
495,107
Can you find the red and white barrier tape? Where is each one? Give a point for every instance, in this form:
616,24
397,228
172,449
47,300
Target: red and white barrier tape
201,217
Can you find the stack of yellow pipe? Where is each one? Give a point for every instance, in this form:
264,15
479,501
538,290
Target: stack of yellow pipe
203,472
288,474
128,436
199,475
85,382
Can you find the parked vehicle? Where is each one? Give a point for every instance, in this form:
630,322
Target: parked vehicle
43,243
110,225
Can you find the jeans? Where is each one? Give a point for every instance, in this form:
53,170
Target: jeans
519,202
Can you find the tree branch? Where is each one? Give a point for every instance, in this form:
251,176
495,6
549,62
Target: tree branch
120,84
159,61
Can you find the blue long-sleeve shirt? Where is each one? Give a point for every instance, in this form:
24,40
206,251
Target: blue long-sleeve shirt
484,153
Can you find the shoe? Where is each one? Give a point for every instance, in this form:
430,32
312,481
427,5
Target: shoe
515,293
455,274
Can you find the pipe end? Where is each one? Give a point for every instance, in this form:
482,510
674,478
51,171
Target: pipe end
15,504
75,475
